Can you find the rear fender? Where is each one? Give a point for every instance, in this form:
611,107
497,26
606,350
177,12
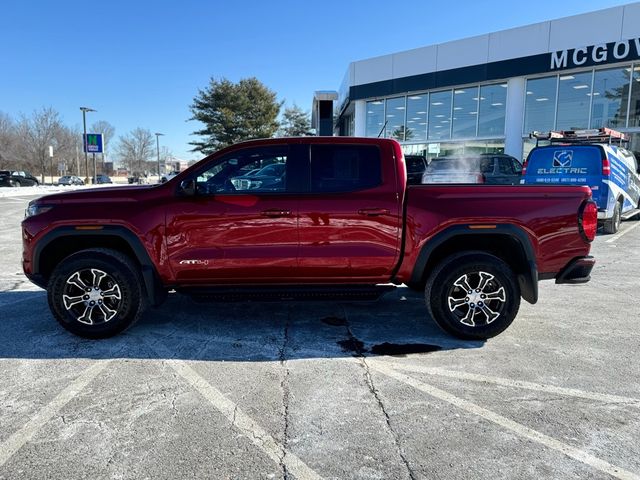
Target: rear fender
523,261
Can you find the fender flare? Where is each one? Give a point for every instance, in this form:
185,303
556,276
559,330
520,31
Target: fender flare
527,280
150,276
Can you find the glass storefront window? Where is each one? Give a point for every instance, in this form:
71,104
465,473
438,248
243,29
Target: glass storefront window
634,119
395,118
417,108
493,105
375,118
540,104
440,115
610,97
574,101
465,112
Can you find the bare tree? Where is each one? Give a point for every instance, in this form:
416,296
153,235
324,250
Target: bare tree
136,149
7,139
35,135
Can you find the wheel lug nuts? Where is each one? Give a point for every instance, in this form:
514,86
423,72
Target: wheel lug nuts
477,290
473,305
86,297
466,299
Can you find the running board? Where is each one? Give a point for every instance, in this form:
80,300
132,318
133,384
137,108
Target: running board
284,293
630,214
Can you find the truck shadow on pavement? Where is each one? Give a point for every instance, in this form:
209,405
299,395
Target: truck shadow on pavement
397,324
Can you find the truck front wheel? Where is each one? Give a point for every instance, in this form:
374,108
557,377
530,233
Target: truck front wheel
473,295
96,293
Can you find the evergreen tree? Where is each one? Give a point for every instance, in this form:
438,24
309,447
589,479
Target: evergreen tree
233,112
295,122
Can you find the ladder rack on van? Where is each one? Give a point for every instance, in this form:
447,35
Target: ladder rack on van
593,135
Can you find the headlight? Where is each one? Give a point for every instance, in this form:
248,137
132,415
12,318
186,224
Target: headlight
36,209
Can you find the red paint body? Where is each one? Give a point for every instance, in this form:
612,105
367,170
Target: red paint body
291,238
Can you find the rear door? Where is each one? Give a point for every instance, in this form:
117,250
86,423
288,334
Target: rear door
350,221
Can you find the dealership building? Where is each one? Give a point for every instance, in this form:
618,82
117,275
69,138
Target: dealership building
487,93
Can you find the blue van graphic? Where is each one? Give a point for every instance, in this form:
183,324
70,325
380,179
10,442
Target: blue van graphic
592,158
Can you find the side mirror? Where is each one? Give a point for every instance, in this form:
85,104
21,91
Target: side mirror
188,187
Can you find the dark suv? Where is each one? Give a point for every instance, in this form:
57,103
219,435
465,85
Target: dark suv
496,169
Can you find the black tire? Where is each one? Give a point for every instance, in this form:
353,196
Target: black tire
113,283
612,225
463,315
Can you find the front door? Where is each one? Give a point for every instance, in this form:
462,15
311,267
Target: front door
240,226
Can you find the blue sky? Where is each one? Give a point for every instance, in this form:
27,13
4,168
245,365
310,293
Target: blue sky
140,63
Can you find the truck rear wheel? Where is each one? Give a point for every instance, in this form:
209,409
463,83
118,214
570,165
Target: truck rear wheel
96,293
473,295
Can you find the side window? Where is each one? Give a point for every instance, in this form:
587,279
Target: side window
517,166
504,166
252,170
345,168
486,165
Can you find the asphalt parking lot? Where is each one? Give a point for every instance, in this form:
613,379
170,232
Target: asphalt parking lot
325,390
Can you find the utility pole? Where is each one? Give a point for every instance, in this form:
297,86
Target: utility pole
158,151
51,160
84,140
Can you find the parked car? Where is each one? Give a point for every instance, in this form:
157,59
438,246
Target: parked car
590,157
493,169
70,180
271,177
416,166
17,179
344,222
103,179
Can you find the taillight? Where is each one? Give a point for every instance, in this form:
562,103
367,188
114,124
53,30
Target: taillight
606,166
588,220
480,178
524,168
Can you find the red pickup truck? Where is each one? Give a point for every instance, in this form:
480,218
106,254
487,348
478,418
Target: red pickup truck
315,215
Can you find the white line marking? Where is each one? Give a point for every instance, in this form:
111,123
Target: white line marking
538,387
507,423
240,420
616,237
11,445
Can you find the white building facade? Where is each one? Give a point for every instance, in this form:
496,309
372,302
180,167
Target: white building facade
487,93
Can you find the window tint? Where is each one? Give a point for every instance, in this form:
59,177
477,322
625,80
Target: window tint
252,170
343,168
504,166
517,166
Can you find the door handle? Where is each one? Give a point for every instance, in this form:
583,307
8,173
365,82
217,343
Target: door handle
373,212
275,213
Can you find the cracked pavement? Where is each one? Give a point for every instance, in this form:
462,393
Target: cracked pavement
292,390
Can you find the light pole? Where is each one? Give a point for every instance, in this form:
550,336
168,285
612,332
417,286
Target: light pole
84,140
158,151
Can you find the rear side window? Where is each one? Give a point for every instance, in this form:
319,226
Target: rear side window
504,166
345,168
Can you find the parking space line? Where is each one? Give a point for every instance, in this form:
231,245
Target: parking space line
238,419
11,445
616,237
507,423
538,387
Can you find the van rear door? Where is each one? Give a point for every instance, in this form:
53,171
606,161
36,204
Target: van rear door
568,165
